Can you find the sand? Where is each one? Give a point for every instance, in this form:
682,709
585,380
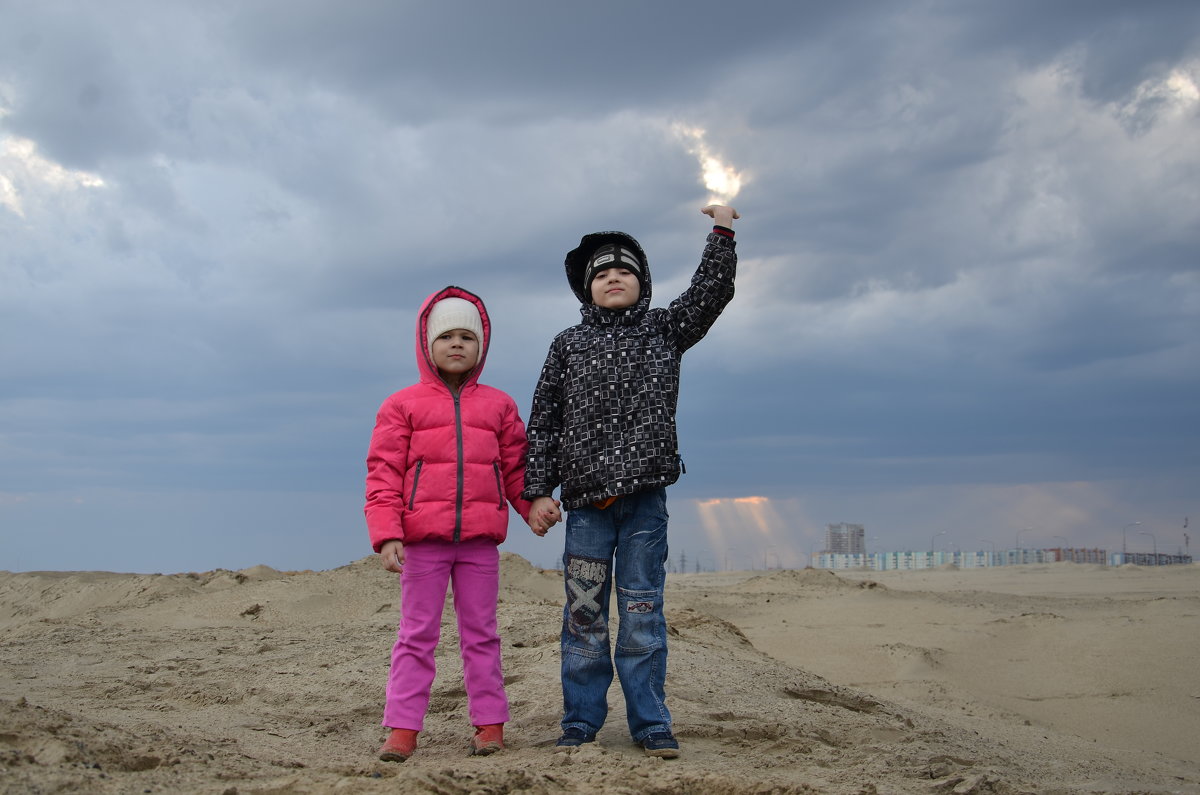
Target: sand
1043,679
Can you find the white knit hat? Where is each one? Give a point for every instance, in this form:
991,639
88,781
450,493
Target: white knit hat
452,313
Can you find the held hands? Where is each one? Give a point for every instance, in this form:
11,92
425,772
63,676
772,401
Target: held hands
392,553
721,215
544,513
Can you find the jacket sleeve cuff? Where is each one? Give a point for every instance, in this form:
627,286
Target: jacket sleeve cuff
724,231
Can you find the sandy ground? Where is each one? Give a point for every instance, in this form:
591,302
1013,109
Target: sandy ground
1040,679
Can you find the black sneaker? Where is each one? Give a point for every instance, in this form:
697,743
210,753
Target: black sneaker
573,737
660,744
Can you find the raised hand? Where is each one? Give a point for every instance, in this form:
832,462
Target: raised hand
721,214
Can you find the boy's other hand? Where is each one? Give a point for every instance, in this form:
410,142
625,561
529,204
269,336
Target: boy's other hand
392,553
721,215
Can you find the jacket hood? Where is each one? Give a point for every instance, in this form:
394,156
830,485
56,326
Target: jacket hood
577,260
428,370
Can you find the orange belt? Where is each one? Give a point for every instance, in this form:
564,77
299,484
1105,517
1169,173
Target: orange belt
604,503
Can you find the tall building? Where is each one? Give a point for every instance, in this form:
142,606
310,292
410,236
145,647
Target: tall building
845,539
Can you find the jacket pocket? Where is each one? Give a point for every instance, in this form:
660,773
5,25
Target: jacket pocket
412,500
499,484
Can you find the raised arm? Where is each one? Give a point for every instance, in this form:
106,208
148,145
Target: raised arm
693,313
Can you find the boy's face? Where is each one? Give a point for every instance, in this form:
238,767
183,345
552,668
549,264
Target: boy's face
455,352
615,288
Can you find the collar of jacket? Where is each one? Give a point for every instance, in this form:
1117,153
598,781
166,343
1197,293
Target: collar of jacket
629,316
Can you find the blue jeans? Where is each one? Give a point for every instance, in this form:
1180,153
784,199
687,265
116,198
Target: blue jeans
632,532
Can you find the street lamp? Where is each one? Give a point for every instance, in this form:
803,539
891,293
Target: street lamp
1155,540
992,555
931,545
1020,551
1022,530
1124,546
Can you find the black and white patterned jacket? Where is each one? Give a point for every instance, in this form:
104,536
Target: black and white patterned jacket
603,417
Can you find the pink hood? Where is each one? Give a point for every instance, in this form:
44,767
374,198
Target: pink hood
429,373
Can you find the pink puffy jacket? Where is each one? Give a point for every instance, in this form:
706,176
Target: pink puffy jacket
444,467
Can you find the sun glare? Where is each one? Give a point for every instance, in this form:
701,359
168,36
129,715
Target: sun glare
1182,85
722,181
23,170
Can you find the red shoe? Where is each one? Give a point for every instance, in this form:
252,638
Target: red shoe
400,745
488,739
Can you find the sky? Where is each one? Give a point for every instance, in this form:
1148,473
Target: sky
968,296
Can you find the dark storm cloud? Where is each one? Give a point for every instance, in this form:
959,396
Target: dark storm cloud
1118,45
427,61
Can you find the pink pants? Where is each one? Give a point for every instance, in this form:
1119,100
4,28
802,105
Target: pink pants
474,569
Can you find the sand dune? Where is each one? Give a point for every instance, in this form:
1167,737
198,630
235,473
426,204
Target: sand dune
1062,678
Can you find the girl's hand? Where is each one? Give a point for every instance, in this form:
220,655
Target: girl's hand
392,553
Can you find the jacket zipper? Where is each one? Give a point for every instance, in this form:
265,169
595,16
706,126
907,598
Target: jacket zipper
458,497
499,484
412,500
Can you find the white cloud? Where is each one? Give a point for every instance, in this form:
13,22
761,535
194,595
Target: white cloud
27,176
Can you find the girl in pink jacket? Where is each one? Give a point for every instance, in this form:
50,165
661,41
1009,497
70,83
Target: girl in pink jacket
447,457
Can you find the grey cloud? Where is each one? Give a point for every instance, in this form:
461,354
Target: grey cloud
955,269
503,62
1118,44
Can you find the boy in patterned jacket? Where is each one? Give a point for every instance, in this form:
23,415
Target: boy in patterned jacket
602,428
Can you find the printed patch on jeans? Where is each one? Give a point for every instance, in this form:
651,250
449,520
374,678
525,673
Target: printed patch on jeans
585,581
639,607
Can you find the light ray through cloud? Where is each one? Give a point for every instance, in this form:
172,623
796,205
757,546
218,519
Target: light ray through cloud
722,181
746,531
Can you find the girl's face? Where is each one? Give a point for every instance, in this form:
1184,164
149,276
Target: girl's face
455,353
615,288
